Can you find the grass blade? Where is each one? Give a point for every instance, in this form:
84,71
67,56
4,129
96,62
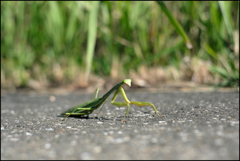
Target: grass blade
175,23
92,34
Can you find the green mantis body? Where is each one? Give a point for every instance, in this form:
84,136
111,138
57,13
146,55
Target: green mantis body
88,107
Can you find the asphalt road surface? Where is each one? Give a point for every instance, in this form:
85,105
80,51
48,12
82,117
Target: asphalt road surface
195,126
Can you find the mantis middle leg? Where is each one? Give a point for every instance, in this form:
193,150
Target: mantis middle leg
127,102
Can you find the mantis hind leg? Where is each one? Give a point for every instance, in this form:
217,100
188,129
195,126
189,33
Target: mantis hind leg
77,114
96,93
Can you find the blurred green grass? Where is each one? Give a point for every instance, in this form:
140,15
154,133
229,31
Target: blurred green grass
55,43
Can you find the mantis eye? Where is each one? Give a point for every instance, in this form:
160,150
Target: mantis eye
127,81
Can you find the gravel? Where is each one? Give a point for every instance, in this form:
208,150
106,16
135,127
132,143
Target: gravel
196,126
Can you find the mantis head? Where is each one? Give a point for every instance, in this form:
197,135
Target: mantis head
127,82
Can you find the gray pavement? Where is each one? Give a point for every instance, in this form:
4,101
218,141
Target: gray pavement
195,126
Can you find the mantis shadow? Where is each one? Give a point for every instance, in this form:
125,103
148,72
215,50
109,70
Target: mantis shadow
84,117
79,117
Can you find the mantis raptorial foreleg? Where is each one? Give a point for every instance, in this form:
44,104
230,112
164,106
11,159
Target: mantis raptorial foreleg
121,104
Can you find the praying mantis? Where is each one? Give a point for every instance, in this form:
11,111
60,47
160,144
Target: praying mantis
88,107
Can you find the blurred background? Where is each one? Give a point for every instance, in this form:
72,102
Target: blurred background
89,44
